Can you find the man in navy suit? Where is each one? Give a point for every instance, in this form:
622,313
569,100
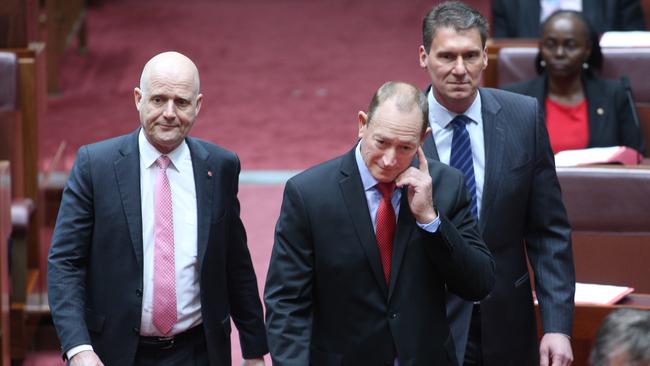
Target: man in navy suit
519,203
149,260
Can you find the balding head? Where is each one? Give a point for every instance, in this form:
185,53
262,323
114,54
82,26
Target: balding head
170,64
404,96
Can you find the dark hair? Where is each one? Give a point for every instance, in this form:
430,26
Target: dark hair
455,15
405,96
595,60
624,331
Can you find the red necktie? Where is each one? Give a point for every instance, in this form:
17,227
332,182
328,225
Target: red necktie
164,271
385,226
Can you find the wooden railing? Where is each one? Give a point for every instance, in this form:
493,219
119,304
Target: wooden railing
5,232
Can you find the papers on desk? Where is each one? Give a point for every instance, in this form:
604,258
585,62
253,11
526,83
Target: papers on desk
625,39
598,155
592,294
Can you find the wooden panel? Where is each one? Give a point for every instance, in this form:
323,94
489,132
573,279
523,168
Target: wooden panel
612,259
5,230
18,22
65,19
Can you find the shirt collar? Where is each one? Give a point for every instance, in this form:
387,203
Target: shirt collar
442,116
366,178
149,154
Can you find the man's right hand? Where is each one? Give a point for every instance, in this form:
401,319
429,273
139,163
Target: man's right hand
86,358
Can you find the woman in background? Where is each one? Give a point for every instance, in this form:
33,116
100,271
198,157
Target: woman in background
581,109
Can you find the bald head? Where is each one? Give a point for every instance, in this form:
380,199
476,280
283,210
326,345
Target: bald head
170,64
404,96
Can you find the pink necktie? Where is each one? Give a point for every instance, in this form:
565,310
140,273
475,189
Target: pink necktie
164,272
385,226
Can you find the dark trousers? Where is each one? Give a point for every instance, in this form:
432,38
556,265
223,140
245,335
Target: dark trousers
474,351
187,349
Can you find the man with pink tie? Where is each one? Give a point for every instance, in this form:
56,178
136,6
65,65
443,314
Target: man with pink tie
149,260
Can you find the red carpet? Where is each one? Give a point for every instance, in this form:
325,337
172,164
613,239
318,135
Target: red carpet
283,80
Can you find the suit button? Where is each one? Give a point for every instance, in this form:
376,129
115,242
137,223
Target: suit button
139,292
136,330
394,315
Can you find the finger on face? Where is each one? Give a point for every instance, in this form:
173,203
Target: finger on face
409,177
424,166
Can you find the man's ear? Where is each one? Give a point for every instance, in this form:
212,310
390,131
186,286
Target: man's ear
137,97
485,57
423,57
424,135
199,101
363,123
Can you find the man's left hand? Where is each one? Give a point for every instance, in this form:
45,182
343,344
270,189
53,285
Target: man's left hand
253,362
555,350
420,190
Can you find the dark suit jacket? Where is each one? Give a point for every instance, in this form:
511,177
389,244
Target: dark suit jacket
521,212
520,18
95,262
610,114
326,298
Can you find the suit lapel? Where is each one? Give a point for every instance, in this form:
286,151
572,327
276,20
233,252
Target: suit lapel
357,206
204,183
429,144
597,102
429,147
494,137
127,173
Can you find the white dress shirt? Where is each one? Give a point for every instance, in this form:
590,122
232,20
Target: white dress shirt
443,132
548,7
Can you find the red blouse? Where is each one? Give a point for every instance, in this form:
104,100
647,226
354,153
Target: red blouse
568,125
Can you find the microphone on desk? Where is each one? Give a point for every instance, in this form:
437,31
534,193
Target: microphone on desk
628,91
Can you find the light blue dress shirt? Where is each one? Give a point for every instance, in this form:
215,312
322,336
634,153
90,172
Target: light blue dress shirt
373,196
442,131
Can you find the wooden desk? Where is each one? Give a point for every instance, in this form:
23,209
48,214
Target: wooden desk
611,225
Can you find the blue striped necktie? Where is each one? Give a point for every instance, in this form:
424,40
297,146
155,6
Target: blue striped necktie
461,156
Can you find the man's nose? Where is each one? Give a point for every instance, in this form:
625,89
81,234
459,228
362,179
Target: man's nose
169,112
459,66
389,158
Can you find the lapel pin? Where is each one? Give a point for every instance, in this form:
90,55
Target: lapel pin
600,111
209,173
